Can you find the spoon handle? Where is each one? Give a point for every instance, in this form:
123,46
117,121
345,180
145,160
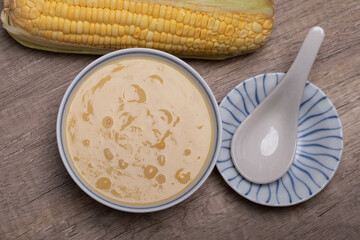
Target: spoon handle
300,69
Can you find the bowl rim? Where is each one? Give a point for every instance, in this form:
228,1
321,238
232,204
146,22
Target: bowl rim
210,100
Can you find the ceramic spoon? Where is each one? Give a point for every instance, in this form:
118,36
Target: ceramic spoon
263,146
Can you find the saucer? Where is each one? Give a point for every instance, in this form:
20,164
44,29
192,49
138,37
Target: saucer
318,151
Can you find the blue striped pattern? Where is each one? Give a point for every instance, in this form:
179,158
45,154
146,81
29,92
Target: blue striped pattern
319,148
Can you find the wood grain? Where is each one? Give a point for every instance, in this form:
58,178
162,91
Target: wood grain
39,200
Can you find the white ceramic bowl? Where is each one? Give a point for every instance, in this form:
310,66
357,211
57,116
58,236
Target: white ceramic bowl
169,59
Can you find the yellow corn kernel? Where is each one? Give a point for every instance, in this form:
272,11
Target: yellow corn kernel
48,22
143,34
45,9
211,23
152,26
190,42
174,13
203,33
132,6
256,27
179,28
176,40
115,30
100,15
92,29
185,30
73,27
180,15
88,15
172,27
124,16
137,32
229,30
121,30
168,12
106,13
149,36
251,34
187,17
71,13
84,39
55,24
21,3
66,28
86,27
129,20
268,24
192,19
103,29
204,21
108,30
243,33
144,21
163,37
197,32
145,9
259,38
169,38
82,14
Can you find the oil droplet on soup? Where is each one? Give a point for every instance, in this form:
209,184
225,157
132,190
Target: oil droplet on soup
108,154
123,164
107,122
86,142
150,171
183,178
160,178
85,117
161,160
103,183
128,130
187,152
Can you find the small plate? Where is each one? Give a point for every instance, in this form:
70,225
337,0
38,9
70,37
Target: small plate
318,153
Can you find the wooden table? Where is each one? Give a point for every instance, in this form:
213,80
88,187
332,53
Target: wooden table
39,200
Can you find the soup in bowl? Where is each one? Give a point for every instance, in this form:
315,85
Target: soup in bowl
139,130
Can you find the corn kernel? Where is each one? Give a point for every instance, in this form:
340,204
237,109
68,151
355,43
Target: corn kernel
143,34
144,21
66,28
192,19
256,27
243,33
179,28
115,30
180,15
268,24
168,12
108,30
86,27
198,20
48,23
172,26
259,38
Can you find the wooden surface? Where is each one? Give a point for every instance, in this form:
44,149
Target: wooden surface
39,200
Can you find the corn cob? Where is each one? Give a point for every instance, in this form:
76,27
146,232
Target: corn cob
211,29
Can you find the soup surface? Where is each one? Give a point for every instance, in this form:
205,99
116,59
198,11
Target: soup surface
138,131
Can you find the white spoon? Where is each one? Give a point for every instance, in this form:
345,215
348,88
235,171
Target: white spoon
263,146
